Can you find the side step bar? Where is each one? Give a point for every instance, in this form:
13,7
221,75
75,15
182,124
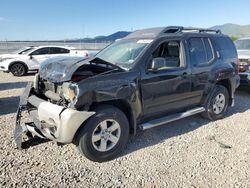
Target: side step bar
171,118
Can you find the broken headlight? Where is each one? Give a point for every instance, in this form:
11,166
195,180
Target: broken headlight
69,91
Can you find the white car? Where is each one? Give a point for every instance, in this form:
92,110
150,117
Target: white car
243,49
20,64
19,51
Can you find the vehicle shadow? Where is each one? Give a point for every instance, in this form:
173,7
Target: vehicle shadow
159,134
31,73
12,85
8,105
34,142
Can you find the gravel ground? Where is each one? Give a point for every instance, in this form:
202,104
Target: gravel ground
192,152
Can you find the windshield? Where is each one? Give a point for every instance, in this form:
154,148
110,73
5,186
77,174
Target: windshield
22,50
123,52
243,44
27,51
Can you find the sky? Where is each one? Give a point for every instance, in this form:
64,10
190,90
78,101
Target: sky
69,19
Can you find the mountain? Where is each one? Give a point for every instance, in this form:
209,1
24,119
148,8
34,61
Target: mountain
234,29
109,38
113,37
229,29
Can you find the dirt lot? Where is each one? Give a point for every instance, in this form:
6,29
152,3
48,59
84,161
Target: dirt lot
189,153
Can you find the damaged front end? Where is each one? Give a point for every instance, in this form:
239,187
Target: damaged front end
58,100
47,120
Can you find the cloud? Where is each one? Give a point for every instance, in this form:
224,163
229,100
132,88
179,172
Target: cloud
2,19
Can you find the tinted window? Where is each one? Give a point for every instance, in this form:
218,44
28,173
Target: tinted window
41,51
209,49
58,51
197,51
225,46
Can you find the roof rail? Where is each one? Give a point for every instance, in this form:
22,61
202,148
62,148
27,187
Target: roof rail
178,29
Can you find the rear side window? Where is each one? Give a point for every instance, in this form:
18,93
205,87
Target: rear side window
225,46
58,51
201,51
197,51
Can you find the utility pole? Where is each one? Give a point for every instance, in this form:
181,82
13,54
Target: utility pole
6,40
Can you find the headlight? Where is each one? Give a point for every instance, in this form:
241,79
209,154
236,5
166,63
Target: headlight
69,92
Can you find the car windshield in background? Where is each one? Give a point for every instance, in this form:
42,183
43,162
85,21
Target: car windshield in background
123,52
243,44
27,51
22,50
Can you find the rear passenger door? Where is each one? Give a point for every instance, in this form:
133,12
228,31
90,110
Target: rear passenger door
201,57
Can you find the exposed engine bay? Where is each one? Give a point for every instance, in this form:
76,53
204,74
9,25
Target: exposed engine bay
58,78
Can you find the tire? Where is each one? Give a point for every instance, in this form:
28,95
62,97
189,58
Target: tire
104,146
18,69
217,104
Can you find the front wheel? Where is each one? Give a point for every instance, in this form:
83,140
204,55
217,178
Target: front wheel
104,135
18,69
217,104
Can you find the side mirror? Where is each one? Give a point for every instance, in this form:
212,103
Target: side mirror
31,57
158,63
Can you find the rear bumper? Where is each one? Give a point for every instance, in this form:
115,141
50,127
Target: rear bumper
245,79
48,120
235,82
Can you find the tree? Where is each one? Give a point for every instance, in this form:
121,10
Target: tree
234,38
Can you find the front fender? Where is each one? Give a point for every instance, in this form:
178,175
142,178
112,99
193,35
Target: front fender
106,88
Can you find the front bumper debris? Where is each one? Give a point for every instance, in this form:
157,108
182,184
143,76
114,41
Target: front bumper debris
48,120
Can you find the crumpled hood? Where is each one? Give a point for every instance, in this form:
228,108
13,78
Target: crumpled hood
60,69
243,54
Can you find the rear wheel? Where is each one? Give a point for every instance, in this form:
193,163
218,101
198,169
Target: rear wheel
18,69
104,135
217,104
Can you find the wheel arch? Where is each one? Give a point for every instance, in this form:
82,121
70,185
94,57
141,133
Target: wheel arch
227,84
21,62
122,105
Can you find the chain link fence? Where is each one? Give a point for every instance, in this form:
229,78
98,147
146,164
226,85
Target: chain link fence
8,47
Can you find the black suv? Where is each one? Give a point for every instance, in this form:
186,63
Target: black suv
149,78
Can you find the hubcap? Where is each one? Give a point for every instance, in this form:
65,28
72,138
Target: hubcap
17,69
106,135
219,103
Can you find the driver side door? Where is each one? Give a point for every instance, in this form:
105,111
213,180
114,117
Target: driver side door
168,88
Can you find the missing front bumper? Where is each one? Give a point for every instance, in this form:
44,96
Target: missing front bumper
49,120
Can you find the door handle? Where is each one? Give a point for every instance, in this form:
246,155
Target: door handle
184,75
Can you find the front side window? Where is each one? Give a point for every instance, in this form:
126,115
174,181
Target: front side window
169,53
59,51
123,52
41,51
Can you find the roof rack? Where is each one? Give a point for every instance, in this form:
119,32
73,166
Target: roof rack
178,29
